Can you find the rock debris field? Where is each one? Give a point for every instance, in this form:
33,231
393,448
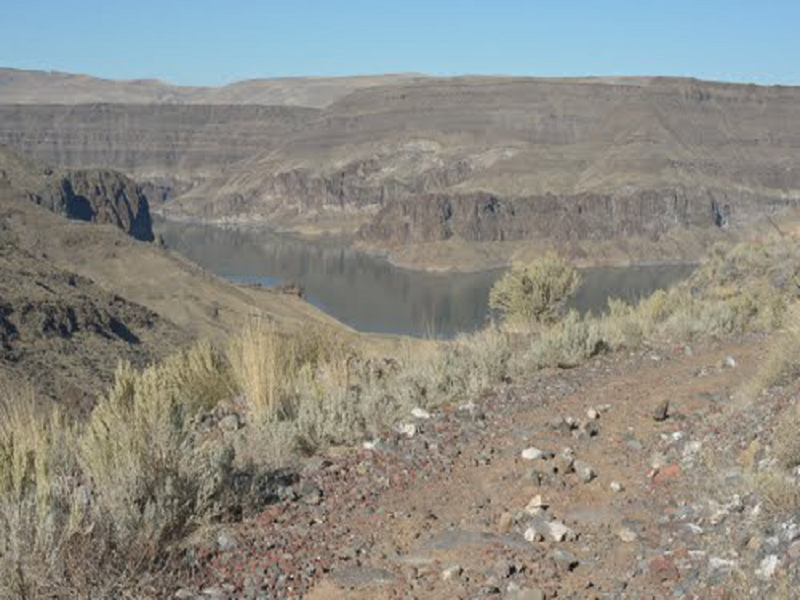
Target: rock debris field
626,477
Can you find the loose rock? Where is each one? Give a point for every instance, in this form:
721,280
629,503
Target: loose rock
452,572
420,413
661,412
584,471
533,454
627,535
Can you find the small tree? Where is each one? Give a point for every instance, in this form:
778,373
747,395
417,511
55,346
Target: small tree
536,292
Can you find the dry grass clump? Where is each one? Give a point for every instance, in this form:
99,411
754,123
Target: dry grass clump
786,440
735,289
309,391
782,361
780,491
567,344
139,451
779,483
85,508
38,510
267,366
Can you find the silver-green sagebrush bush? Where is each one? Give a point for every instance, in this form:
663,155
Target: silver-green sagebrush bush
536,292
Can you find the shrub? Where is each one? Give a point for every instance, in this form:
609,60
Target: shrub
267,366
567,344
782,361
537,292
140,454
39,507
786,440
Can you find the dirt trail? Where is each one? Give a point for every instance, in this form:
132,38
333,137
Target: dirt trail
442,514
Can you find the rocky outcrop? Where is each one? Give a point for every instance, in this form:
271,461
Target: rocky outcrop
95,196
100,197
65,333
483,217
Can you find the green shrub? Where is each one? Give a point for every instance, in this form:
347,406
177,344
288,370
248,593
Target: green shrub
536,292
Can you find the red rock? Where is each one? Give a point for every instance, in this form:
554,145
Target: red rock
666,474
663,569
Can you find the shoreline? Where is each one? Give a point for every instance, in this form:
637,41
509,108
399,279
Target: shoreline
349,242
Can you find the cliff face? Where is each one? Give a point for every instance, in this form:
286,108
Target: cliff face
95,196
475,158
101,197
482,217
489,159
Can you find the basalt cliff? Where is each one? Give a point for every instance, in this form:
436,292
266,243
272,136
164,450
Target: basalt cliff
404,162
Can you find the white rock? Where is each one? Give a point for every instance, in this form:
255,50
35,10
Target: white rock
408,429
716,563
694,528
584,471
730,362
691,448
559,532
452,572
616,486
420,413
536,506
532,454
371,445
768,566
533,535
592,414
627,535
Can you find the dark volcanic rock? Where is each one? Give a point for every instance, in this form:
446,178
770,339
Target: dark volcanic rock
101,197
97,196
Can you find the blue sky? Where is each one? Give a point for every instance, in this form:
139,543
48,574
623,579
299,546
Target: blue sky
203,42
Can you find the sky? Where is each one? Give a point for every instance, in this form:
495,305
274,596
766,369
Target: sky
204,42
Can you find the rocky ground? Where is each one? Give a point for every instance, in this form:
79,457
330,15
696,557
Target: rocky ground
628,477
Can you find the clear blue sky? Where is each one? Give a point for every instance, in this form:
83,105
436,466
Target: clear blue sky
206,42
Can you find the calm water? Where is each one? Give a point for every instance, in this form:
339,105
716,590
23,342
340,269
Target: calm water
368,293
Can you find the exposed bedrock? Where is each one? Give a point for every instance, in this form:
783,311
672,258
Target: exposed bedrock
484,217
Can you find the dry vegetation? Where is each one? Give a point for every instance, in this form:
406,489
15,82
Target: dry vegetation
87,508
778,481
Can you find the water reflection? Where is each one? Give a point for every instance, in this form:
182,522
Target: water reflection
368,293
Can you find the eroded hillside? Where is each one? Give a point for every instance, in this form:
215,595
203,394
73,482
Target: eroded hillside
607,168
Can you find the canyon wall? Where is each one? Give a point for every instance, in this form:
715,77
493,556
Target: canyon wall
431,159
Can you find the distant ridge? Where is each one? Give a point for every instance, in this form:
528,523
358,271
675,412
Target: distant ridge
18,86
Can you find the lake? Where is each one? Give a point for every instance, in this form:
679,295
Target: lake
371,295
